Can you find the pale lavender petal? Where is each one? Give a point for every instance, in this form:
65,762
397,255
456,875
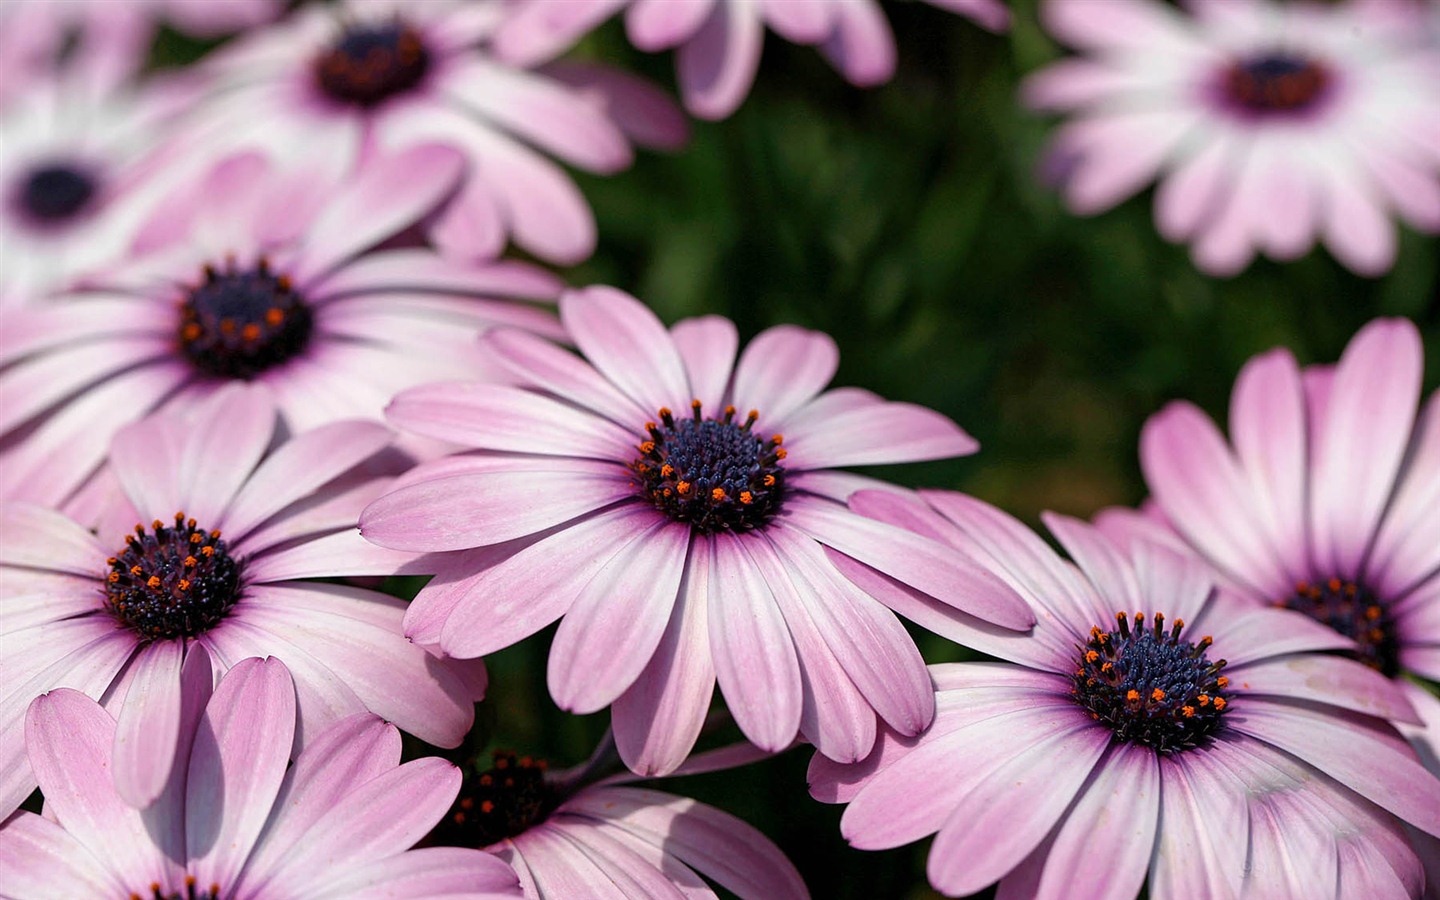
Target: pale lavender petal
69,738
227,436
1203,492
646,113
34,537
1362,439
387,194
939,571
42,861
149,725
781,370
335,554
655,25
542,364
867,639
892,433
426,873
716,67
861,45
512,599
560,871
1407,549
419,270
1202,821
392,677
1268,426
1119,152
1335,743
535,32
1001,819
707,347
658,719
800,21
236,766
1102,848
1244,633
631,872
299,466
616,621
464,511
1355,226
145,458
498,417
471,227
714,843
627,344
755,661
1326,679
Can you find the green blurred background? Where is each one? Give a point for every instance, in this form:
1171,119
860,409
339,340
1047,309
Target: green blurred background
906,221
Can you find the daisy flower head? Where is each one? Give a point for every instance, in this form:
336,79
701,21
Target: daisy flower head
1325,500
77,148
262,274
1147,724
675,508
567,835
720,41
234,822
337,80
211,551
1268,126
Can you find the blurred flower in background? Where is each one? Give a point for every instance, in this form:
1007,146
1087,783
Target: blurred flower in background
1267,125
720,41
340,83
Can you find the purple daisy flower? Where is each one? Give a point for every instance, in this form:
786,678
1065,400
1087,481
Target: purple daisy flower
680,548
1268,125
720,40
77,148
255,274
1327,504
233,821
335,82
116,614
608,840
1148,723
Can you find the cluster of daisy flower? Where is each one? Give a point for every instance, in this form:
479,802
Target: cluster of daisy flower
284,323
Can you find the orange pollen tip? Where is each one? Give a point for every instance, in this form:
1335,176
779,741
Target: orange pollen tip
667,470
1333,584
717,494
136,570
694,404
250,332
191,562
113,577
1157,695
274,316
184,584
777,439
647,447
157,524
215,535
487,807
1187,711
1219,702
1203,699
207,551
195,538
1222,681
746,497
769,480
683,487
1091,655
781,454
665,411
153,582
1132,695
485,780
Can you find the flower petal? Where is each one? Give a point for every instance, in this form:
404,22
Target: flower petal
782,369
627,344
149,727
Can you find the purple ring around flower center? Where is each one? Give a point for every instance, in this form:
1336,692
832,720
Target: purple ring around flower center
1275,84
713,474
1151,687
370,63
236,323
172,581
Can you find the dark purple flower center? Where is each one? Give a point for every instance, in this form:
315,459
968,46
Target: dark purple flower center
238,323
1355,611
713,474
371,63
172,581
1275,83
54,193
1150,686
502,801
189,893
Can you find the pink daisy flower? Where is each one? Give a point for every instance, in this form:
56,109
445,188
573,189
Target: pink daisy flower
116,614
1267,125
680,548
336,82
76,149
608,840
1328,503
719,41
233,821
1146,724
261,275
